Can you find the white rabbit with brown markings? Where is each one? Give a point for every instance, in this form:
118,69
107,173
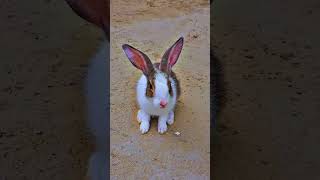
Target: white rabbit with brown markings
158,88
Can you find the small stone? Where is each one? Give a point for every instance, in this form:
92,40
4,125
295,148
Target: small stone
177,133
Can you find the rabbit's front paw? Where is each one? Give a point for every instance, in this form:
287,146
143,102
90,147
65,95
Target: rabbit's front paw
140,116
162,127
144,120
144,127
170,118
162,124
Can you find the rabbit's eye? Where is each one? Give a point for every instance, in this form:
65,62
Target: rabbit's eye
150,89
170,88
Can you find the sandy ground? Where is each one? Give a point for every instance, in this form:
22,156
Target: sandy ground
155,156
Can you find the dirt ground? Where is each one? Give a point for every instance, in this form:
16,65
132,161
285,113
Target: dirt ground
155,156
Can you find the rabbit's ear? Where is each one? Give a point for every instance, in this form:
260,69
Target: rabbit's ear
94,11
171,56
138,59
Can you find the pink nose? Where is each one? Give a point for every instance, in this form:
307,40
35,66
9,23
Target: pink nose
163,103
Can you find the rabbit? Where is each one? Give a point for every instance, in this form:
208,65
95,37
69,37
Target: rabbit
158,88
97,86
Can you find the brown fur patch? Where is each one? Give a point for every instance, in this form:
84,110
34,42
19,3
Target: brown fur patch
150,86
177,82
169,87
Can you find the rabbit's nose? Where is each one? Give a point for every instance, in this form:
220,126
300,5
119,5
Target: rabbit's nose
163,103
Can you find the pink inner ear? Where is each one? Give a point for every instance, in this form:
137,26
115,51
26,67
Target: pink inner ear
136,58
175,52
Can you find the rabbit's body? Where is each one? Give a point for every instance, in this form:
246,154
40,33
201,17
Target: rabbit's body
158,87
150,106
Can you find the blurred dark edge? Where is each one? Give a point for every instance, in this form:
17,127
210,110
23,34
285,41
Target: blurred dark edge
89,10
101,156
217,91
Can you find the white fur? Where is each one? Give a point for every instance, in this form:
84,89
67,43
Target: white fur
151,106
98,117
170,118
144,120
